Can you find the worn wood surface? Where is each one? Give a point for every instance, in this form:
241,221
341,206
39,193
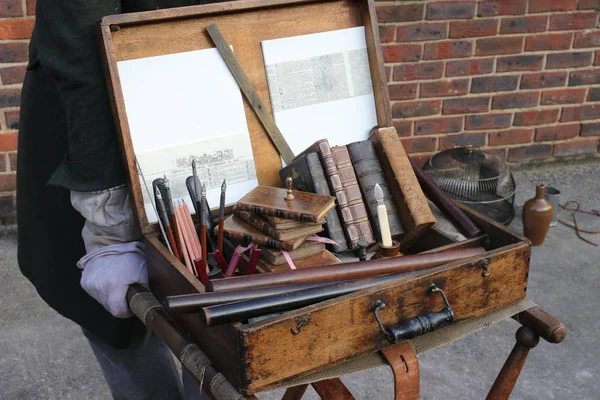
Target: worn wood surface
380,90
245,24
469,243
343,328
169,277
507,378
117,103
498,234
432,239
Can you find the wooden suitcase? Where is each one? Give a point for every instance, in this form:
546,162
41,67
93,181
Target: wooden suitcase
255,356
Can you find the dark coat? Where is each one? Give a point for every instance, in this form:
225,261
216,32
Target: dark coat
67,141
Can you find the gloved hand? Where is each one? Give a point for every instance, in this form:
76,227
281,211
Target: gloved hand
108,272
115,257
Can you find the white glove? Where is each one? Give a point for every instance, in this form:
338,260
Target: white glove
108,272
115,259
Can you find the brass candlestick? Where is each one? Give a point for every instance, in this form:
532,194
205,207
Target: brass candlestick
387,251
290,192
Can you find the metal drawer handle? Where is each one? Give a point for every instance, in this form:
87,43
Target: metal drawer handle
419,325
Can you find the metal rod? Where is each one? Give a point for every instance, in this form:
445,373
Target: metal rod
193,303
243,310
343,271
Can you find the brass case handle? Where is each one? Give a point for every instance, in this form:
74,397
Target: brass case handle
419,325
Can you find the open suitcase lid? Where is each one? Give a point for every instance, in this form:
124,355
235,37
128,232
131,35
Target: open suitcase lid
130,41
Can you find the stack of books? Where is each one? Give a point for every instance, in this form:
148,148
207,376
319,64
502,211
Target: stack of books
350,173
265,217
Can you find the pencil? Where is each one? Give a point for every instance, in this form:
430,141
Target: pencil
186,235
192,230
180,239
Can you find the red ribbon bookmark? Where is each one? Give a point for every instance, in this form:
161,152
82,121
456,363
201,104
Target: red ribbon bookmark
254,256
235,258
200,265
220,260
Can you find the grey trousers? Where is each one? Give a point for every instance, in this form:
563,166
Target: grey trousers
144,371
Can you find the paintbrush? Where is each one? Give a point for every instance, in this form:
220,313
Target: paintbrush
221,216
203,222
196,182
167,198
160,205
160,224
165,190
210,236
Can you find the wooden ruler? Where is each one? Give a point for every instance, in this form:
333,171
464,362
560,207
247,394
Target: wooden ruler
250,92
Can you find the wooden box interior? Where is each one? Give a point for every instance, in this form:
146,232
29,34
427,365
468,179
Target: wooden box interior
244,25
244,352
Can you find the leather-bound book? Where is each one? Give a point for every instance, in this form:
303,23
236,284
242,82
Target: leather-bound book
280,234
307,174
307,249
356,204
322,258
322,148
238,231
283,223
412,204
369,173
268,200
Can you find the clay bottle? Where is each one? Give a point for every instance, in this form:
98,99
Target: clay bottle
537,215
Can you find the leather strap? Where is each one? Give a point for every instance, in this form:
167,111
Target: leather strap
405,366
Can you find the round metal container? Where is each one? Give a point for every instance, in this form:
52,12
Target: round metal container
476,179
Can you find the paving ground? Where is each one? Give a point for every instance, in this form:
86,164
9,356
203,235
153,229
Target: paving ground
44,356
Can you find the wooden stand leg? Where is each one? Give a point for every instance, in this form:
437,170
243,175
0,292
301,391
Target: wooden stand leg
332,389
543,324
536,323
295,392
507,378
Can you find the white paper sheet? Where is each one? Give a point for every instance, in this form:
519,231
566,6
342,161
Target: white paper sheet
320,87
192,101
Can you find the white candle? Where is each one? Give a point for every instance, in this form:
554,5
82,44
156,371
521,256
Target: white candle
384,225
386,237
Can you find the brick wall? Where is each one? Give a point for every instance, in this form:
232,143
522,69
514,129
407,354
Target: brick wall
514,77
16,24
